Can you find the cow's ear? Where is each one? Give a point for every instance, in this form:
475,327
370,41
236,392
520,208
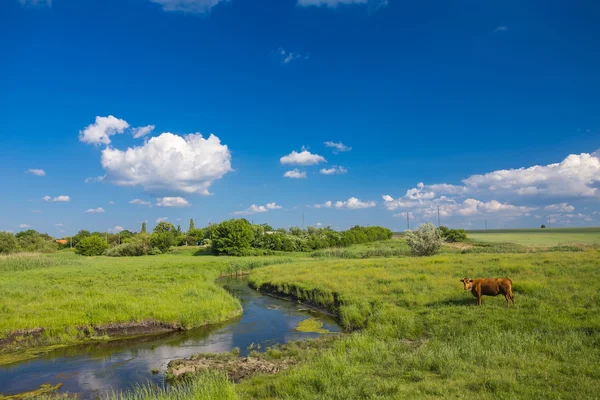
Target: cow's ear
462,280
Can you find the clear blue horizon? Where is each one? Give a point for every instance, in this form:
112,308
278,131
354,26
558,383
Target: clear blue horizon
351,112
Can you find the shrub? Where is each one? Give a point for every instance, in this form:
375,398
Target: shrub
8,243
425,241
453,235
233,237
91,246
162,240
154,251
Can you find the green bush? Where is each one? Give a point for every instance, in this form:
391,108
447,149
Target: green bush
425,241
162,240
8,243
154,251
91,246
233,237
453,235
139,245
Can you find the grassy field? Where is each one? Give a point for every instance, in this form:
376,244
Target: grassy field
423,337
539,237
63,293
414,331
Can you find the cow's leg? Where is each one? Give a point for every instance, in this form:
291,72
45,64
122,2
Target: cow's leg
507,296
479,300
512,298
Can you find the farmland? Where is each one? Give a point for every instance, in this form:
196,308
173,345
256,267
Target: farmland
539,237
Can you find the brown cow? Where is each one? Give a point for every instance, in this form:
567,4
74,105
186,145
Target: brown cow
490,287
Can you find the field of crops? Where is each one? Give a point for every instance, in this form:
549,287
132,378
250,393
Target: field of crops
539,237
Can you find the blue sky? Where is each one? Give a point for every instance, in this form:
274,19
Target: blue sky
489,110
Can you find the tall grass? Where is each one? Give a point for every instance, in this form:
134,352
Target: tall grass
210,385
27,261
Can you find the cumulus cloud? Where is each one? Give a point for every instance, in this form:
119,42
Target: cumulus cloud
36,172
118,229
334,170
111,202
24,226
191,6
95,179
140,202
94,210
337,147
169,162
304,157
295,174
560,207
100,131
288,56
577,175
172,202
59,225
59,199
253,209
161,219
142,131
351,204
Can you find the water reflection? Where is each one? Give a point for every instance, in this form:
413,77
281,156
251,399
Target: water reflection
94,369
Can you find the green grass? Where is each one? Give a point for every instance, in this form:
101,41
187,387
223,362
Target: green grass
422,336
63,292
539,237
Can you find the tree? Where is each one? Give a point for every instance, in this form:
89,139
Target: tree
192,225
143,227
233,237
91,246
8,243
543,226
425,241
162,240
80,236
163,226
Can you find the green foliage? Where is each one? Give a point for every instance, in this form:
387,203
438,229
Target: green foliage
192,225
233,237
8,243
33,241
91,246
82,234
543,226
162,240
143,227
165,227
139,245
425,241
453,235
155,251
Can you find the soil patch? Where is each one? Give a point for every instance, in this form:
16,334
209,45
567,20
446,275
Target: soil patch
237,368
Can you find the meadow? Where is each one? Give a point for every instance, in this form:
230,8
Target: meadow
546,237
412,331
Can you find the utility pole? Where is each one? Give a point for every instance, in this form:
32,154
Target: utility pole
119,238
71,241
407,221
302,220
438,216
106,236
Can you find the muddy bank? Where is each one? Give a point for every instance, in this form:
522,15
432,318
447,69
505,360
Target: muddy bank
237,368
304,297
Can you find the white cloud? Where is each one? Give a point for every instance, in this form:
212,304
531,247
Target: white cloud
561,207
191,6
95,210
472,207
111,202
329,3
140,202
142,131
36,172
59,199
318,224
334,170
327,204
95,179
172,202
577,175
59,225
501,29
403,214
295,174
118,229
24,226
303,158
253,209
354,204
337,147
288,56
161,219
100,131
169,162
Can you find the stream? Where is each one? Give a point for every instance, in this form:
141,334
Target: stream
92,370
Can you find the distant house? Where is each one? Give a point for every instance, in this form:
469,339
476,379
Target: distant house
61,241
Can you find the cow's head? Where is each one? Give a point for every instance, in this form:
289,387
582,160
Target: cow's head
468,283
